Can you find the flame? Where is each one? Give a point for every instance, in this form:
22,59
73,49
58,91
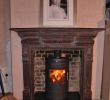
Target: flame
57,75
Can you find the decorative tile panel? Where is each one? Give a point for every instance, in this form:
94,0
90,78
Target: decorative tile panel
39,73
74,74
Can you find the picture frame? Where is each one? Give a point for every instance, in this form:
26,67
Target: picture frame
58,15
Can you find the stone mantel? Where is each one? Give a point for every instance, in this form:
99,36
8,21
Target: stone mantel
70,31
74,36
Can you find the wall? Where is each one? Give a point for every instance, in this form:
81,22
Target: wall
106,69
5,52
88,13
2,63
97,66
17,66
25,13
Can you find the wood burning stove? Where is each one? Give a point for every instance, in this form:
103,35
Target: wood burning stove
57,69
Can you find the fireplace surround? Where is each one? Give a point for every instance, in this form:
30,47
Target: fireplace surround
74,43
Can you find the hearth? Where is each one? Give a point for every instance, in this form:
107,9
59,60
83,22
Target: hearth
73,64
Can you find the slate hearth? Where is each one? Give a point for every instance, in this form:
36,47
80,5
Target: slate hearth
71,96
38,42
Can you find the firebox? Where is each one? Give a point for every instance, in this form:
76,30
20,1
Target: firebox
57,69
57,74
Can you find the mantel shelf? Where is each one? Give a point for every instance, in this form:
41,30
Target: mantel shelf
60,36
58,29
50,32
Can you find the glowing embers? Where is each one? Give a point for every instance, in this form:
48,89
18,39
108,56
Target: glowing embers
57,76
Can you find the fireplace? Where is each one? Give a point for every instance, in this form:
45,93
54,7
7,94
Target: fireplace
57,62
57,68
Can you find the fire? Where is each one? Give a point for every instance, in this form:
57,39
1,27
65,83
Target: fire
57,76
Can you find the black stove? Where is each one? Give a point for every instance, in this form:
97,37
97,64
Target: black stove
57,69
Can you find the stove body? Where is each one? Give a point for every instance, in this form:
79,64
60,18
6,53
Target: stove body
57,70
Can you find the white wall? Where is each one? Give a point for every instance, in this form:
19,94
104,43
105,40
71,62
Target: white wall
97,66
88,13
25,13
5,51
17,68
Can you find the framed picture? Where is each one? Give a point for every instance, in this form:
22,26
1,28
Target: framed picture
58,13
